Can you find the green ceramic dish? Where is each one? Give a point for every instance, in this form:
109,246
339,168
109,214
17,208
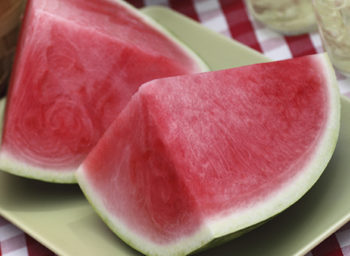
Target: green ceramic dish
59,216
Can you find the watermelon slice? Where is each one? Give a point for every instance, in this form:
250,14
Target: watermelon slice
78,64
198,158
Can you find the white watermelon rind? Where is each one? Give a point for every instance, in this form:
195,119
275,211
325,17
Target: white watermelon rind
233,224
15,167
10,164
18,168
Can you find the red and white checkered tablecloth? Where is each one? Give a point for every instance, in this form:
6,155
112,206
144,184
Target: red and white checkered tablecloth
231,18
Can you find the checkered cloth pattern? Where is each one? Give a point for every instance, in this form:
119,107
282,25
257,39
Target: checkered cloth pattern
231,18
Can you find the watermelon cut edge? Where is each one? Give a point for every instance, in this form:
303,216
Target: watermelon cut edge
221,228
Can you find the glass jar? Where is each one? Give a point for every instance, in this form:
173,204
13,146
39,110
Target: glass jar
333,18
289,17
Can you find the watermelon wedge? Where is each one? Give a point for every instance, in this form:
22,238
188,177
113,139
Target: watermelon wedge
198,158
78,64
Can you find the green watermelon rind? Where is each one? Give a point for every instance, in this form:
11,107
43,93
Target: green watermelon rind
219,229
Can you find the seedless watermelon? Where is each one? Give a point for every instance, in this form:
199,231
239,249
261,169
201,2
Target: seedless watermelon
78,64
194,158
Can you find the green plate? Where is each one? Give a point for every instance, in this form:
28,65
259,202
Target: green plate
59,216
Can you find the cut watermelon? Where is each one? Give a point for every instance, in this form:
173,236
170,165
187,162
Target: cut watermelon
78,64
196,158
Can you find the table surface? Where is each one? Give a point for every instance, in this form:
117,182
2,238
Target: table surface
231,18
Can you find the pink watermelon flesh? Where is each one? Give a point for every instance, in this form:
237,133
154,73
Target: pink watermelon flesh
195,148
78,64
